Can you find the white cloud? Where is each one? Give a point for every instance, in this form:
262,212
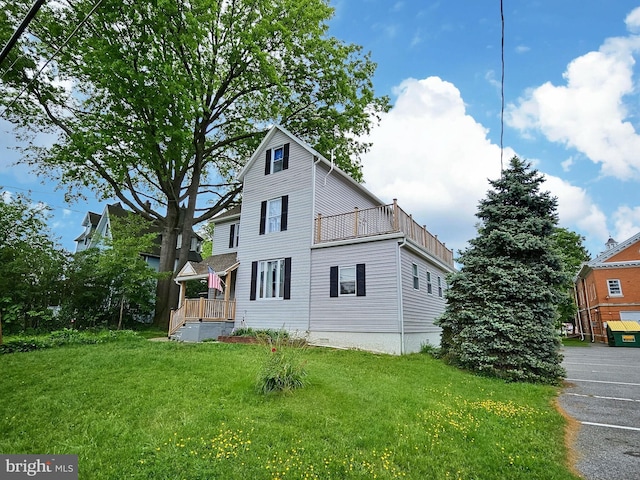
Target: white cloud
490,77
627,222
576,208
434,158
633,20
588,113
567,164
522,49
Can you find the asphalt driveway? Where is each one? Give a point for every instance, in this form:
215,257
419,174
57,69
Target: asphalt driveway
603,395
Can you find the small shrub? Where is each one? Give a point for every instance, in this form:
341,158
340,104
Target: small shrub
266,334
429,349
283,369
243,332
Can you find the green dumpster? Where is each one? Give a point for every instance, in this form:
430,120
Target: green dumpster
624,333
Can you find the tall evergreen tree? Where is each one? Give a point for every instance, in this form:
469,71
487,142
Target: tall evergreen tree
501,305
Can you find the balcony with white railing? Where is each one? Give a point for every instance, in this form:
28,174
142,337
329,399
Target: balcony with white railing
385,219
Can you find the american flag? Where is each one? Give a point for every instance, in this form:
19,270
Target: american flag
214,280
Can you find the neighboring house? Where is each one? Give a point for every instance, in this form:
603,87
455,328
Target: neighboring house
312,251
608,288
98,226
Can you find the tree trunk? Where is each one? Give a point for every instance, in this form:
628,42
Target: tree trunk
121,312
167,291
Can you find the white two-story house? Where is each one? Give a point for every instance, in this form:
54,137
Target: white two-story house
312,251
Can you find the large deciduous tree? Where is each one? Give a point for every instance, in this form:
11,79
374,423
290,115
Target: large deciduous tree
569,246
159,103
501,306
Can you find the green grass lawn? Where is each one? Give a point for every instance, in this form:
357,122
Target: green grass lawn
576,342
140,409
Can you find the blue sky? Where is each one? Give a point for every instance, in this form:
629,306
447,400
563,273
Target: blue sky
572,104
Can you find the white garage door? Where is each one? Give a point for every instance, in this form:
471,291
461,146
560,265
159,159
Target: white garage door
630,316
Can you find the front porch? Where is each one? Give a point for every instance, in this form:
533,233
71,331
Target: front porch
197,319
199,310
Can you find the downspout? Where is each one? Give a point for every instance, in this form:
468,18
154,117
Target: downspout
586,299
330,170
316,160
579,318
400,309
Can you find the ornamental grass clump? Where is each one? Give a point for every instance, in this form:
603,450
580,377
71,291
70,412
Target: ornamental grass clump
283,369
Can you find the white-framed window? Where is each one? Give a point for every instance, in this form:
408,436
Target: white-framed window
271,279
274,215
416,276
234,234
439,286
429,284
196,246
347,280
277,159
615,288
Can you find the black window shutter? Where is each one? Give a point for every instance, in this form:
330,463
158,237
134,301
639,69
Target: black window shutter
287,278
361,282
284,212
267,163
232,235
254,280
263,217
333,282
285,157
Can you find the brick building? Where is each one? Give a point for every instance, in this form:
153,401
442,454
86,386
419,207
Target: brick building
608,288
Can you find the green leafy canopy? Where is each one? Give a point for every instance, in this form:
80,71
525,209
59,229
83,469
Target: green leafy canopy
161,103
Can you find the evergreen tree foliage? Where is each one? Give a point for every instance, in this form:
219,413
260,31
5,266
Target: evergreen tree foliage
501,305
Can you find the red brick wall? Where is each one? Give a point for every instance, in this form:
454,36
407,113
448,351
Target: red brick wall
632,252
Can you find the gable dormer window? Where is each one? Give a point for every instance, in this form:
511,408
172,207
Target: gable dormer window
276,159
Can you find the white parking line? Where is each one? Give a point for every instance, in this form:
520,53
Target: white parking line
605,398
596,364
601,381
611,426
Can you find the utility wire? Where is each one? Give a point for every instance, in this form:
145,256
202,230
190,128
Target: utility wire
64,44
502,94
16,35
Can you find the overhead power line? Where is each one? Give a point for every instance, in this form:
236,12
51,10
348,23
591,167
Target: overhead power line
16,35
64,44
502,94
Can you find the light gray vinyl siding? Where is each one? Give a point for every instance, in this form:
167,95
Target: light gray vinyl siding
295,182
336,195
420,308
377,312
221,237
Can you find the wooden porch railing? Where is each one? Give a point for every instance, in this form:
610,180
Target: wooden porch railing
202,309
378,221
